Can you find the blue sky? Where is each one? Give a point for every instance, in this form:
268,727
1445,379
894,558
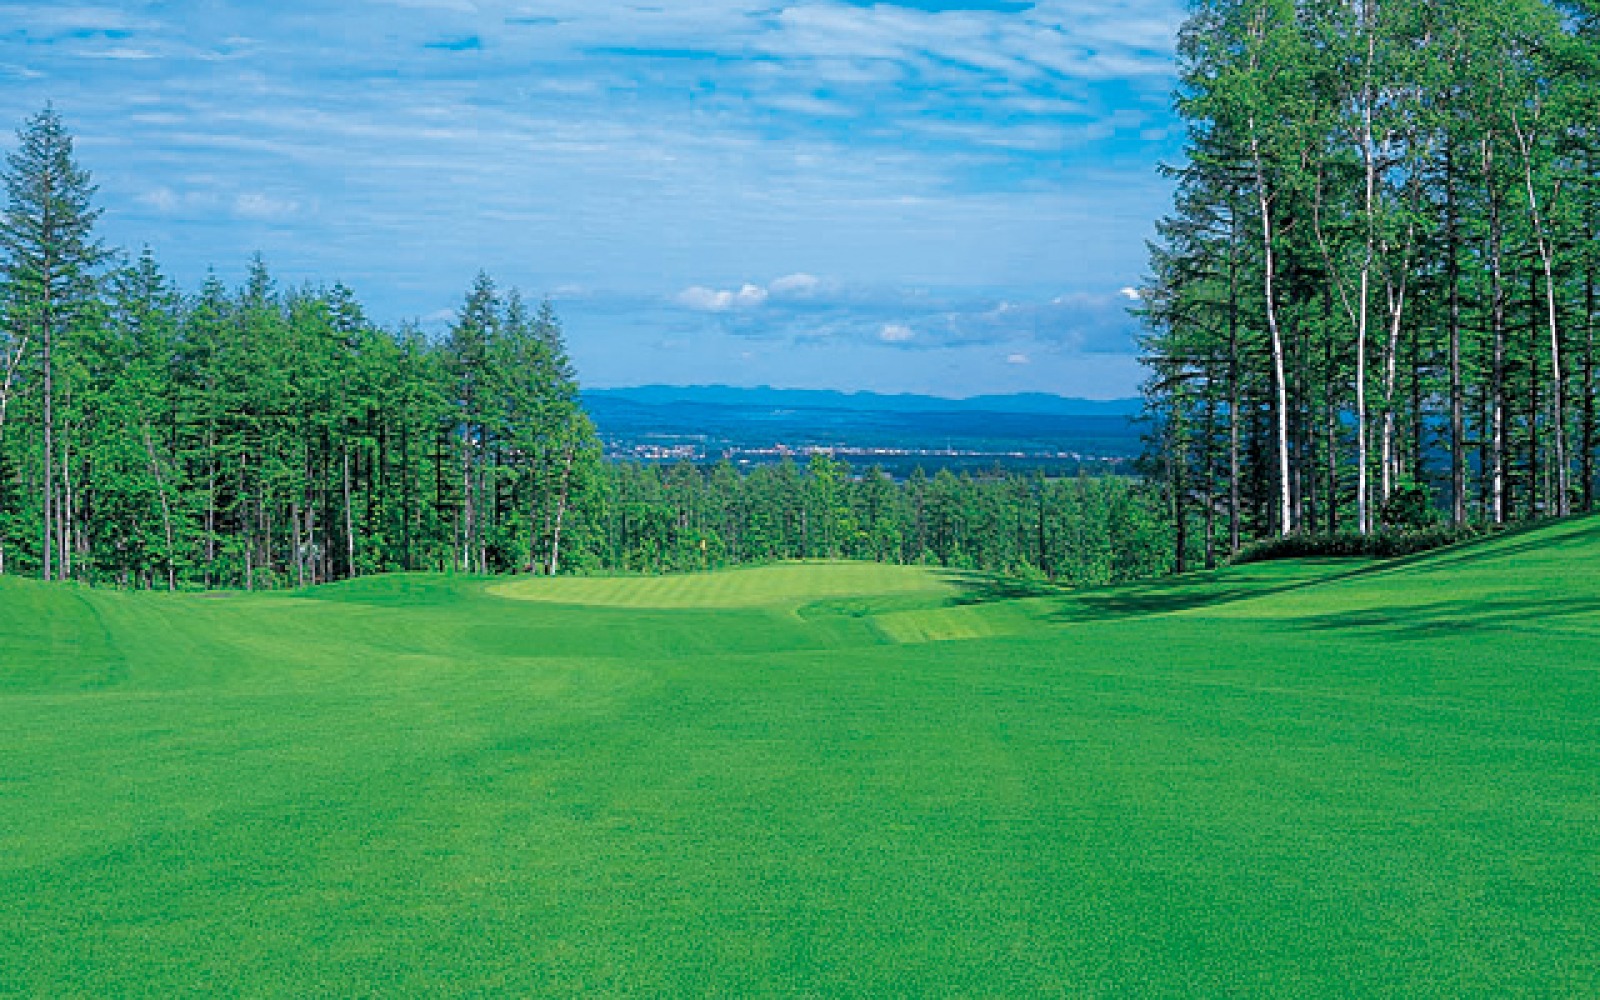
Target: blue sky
938,197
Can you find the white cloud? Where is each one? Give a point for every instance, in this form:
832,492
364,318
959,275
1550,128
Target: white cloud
165,201
896,333
1018,359
795,284
162,199
119,52
51,17
255,205
703,299
1131,294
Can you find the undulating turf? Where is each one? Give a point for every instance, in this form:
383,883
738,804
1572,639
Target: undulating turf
1309,778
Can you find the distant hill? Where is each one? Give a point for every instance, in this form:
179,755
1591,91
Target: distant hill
765,397
899,433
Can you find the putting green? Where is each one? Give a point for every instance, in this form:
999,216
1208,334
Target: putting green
1313,778
788,584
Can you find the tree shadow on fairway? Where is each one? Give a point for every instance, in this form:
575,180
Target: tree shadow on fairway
988,588
1424,621
1543,536
1143,600
1188,593
1266,579
1126,600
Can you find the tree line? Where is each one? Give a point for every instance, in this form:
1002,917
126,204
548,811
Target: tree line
1373,302
1079,531
260,437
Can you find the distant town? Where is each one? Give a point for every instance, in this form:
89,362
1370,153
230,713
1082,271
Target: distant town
898,434
618,449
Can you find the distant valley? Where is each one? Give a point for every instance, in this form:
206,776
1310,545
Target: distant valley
753,426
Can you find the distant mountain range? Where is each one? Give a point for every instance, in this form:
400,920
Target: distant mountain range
765,397
898,432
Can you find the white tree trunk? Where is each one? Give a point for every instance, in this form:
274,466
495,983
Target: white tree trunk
166,508
1546,246
1280,385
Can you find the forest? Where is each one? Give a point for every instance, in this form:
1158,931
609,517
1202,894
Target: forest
263,438
1372,305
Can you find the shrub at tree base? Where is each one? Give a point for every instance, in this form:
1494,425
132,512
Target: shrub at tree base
1349,544
1409,508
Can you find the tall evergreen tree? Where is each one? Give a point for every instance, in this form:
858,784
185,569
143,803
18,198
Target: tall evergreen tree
49,258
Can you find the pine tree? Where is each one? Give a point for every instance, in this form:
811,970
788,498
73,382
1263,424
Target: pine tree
50,255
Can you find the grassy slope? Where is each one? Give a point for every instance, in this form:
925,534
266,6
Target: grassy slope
1290,778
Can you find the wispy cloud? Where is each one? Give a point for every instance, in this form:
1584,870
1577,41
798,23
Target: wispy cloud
916,318
813,171
256,205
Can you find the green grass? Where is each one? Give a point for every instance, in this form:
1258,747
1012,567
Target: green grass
786,584
1302,778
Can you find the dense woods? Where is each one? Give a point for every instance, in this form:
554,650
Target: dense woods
1079,531
1373,304
261,437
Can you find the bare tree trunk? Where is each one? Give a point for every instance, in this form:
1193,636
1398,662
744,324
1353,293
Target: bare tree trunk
244,526
1545,242
1458,462
211,503
1331,426
561,511
1369,158
166,508
311,538
64,521
1535,467
1234,527
1210,461
1396,295
1176,466
1588,372
1280,386
1363,462
468,531
349,523
13,361
1497,322
299,545
1357,313
49,429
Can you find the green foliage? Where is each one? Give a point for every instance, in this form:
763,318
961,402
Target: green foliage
1410,191
1080,531
262,437
1410,508
1346,544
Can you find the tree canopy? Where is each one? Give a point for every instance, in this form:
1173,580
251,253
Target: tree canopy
1378,278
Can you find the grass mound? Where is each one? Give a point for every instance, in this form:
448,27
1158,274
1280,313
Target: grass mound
1302,778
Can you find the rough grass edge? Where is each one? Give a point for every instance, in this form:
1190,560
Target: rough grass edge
1350,544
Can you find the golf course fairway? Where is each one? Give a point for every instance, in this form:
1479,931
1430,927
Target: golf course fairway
1301,778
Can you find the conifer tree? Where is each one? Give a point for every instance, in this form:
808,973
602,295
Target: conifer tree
48,256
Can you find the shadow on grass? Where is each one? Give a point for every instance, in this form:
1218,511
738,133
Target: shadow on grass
987,588
1512,541
1424,621
1208,590
1129,599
